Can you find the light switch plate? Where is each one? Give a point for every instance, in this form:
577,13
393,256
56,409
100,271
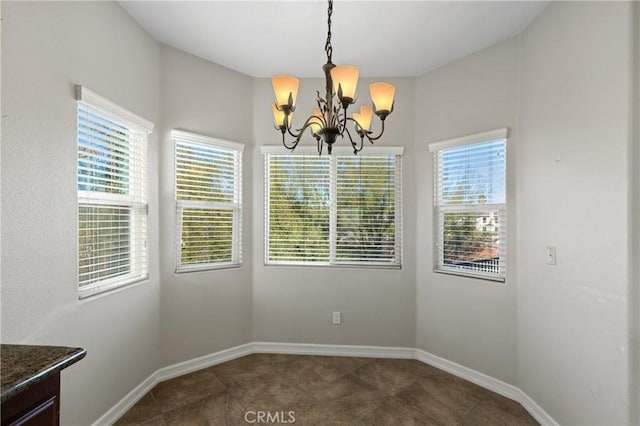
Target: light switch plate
551,255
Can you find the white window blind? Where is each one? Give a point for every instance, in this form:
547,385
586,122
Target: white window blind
470,208
366,189
112,195
333,210
297,208
208,202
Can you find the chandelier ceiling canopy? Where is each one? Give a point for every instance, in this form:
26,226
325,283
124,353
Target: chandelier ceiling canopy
330,120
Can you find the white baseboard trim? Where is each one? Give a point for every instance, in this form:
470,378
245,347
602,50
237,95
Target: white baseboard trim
488,382
333,350
205,361
480,379
536,411
169,372
185,367
118,410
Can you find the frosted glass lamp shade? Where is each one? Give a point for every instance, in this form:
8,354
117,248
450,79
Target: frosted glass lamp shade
345,78
363,118
382,96
285,86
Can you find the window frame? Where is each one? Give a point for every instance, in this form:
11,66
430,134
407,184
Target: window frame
136,201
439,210
338,151
180,136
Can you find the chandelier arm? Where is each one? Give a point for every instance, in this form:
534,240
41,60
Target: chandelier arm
302,129
356,149
287,128
295,135
342,121
375,138
292,146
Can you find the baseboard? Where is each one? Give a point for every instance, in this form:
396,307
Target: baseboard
480,379
205,361
118,410
333,350
536,411
488,382
169,372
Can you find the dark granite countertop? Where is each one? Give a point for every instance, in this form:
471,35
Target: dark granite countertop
24,365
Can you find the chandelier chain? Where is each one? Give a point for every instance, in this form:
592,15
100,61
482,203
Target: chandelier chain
328,47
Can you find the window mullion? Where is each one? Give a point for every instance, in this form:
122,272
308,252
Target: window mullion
461,208
267,204
178,232
398,210
333,210
213,205
236,235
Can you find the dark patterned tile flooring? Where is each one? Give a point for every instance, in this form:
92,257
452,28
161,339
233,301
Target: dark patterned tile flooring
322,390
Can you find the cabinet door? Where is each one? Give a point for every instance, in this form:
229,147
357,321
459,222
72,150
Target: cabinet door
45,414
37,405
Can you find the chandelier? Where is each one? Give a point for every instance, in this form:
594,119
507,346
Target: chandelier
329,120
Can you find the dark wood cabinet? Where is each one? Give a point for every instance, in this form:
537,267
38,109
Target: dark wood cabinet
39,405
30,382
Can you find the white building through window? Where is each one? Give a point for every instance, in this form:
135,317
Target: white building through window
470,214
112,194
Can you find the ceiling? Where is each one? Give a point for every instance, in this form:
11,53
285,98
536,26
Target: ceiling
382,38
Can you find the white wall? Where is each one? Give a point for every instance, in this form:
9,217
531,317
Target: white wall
634,259
294,304
573,180
465,320
202,312
47,48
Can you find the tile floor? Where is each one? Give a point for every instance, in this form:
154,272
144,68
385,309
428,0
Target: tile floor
319,390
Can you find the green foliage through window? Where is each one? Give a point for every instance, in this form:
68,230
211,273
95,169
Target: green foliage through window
208,201
366,210
333,209
299,208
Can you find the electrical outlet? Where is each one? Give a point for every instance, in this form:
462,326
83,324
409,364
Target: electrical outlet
337,318
551,255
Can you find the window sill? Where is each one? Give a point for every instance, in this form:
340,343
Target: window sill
483,277
100,290
207,267
334,265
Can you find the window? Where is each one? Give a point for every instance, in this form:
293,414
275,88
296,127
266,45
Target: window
333,210
112,194
470,205
208,202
